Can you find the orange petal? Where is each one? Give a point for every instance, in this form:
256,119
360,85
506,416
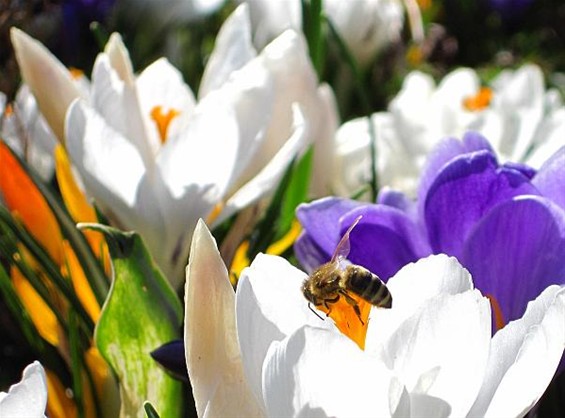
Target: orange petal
41,315
25,200
80,283
59,405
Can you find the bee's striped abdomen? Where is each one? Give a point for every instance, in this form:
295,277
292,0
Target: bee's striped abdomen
368,286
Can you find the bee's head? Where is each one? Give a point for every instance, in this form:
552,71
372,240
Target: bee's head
307,292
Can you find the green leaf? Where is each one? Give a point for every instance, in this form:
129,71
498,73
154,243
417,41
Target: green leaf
296,193
291,191
141,313
312,27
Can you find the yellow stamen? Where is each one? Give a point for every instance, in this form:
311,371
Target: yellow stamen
347,320
497,312
216,210
240,259
162,120
76,73
414,55
480,101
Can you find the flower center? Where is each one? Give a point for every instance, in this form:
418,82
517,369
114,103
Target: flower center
346,319
479,101
497,312
162,120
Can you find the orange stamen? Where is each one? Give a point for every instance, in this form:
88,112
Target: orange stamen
162,120
76,73
8,110
497,312
480,101
347,320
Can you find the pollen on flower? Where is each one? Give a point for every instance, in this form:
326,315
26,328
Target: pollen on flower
163,120
347,320
479,101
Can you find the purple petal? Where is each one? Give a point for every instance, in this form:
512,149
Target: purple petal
384,240
320,220
445,151
516,251
550,179
524,169
463,192
171,357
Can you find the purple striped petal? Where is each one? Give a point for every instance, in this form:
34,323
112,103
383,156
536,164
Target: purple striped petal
384,240
516,251
320,221
445,151
463,192
550,179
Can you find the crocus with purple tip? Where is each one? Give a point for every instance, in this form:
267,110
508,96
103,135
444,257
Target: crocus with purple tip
504,222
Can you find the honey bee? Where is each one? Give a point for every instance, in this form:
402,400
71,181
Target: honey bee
340,278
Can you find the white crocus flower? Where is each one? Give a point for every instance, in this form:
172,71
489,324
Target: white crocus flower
431,354
28,397
366,26
523,121
155,159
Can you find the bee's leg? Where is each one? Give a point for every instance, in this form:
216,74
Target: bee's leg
328,301
354,304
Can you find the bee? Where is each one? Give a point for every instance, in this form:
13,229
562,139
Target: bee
339,278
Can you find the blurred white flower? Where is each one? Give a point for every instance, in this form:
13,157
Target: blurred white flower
155,159
366,26
431,354
27,398
167,12
523,121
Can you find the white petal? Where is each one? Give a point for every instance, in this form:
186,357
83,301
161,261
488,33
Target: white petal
524,357
271,18
442,350
413,286
232,50
212,352
161,84
48,79
267,179
316,372
119,58
113,173
269,306
118,103
27,398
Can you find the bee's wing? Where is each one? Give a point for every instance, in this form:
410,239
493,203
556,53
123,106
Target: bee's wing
343,247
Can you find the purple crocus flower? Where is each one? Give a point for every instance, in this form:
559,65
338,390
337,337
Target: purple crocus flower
505,223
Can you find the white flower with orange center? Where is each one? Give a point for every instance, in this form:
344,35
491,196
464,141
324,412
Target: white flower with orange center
523,121
154,159
431,354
